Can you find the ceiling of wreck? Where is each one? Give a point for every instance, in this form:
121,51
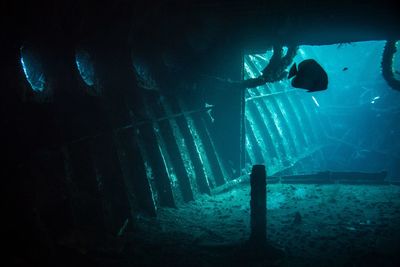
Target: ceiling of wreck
245,22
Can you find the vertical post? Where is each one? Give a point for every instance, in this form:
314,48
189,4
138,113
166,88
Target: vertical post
242,123
258,203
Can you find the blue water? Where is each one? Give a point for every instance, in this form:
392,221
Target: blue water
351,126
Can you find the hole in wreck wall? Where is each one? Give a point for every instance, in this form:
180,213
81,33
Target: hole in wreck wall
85,67
33,69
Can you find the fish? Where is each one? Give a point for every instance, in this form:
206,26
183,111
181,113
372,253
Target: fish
309,75
345,68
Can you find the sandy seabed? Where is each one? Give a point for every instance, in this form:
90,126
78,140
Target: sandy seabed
339,225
